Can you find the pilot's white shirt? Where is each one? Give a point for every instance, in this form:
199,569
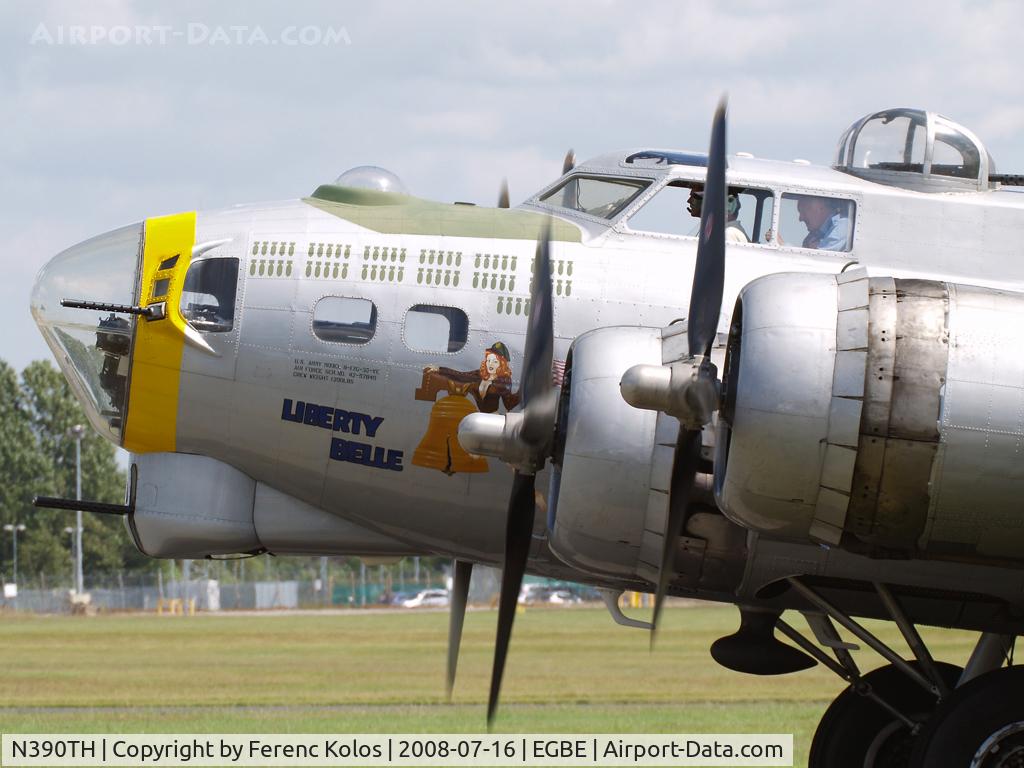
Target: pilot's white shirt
734,233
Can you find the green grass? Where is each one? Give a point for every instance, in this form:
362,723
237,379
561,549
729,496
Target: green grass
569,670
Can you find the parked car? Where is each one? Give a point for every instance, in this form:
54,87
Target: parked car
435,598
563,597
532,594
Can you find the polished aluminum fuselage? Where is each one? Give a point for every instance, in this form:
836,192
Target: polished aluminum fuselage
230,405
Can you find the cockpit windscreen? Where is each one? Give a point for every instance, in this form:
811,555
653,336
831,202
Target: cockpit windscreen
601,197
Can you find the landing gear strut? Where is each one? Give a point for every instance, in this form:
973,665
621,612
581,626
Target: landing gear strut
856,731
913,714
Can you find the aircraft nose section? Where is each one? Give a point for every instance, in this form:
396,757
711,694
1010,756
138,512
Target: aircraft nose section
93,348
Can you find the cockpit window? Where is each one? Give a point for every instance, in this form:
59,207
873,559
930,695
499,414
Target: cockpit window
658,157
601,197
818,222
208,295
676,209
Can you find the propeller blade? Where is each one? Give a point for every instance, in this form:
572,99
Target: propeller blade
569,163
709,271
539,409
684,471
460,594
538,351
518,535
503,194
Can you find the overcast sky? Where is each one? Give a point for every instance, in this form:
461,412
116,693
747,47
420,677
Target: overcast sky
220,107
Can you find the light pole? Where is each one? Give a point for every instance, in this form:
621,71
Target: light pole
15,530
71,532
77,431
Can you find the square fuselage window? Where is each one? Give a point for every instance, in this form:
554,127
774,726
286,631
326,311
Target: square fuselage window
344,320
430,328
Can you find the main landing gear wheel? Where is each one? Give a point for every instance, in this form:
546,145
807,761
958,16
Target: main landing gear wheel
857,732
980,725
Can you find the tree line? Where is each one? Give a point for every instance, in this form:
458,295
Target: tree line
37,458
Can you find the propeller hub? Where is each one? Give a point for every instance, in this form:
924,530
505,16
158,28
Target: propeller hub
688,390
501,437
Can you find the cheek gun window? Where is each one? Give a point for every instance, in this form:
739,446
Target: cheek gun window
208,295
344,320
435,329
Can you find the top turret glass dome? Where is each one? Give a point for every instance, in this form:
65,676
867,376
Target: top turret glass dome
914,149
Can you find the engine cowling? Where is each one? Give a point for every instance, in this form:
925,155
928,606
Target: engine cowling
602,475
612,469
880,415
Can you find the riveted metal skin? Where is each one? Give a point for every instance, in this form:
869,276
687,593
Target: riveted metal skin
191,506
606,469
907,354
770,480
194,506
879,415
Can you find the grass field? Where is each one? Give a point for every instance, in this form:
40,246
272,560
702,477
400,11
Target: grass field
569,670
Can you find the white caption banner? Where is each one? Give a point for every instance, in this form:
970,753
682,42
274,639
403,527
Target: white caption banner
371,749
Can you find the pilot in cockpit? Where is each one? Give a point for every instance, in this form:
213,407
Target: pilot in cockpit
734,232
827,228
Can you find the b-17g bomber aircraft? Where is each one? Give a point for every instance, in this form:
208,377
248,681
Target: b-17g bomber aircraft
555,389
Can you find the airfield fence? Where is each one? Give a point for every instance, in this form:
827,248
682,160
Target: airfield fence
216,587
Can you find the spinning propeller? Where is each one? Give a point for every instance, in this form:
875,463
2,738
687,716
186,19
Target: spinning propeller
689,390
522,439
462,572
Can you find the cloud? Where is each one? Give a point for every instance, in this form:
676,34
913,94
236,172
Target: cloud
453,97
1003,121
456,123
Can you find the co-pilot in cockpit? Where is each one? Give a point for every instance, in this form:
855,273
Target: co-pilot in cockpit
734,231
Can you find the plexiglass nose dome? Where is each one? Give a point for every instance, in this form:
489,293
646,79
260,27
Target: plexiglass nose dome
93,348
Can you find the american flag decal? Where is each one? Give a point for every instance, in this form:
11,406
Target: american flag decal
557,373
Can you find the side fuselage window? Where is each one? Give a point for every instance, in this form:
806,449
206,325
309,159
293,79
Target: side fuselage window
208,294
344,320
676,210
430,328
816,222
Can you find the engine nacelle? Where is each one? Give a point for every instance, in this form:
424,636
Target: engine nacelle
188,506
602,479
610,485
881,415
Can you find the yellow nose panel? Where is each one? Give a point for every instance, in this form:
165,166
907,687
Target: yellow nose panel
152,418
